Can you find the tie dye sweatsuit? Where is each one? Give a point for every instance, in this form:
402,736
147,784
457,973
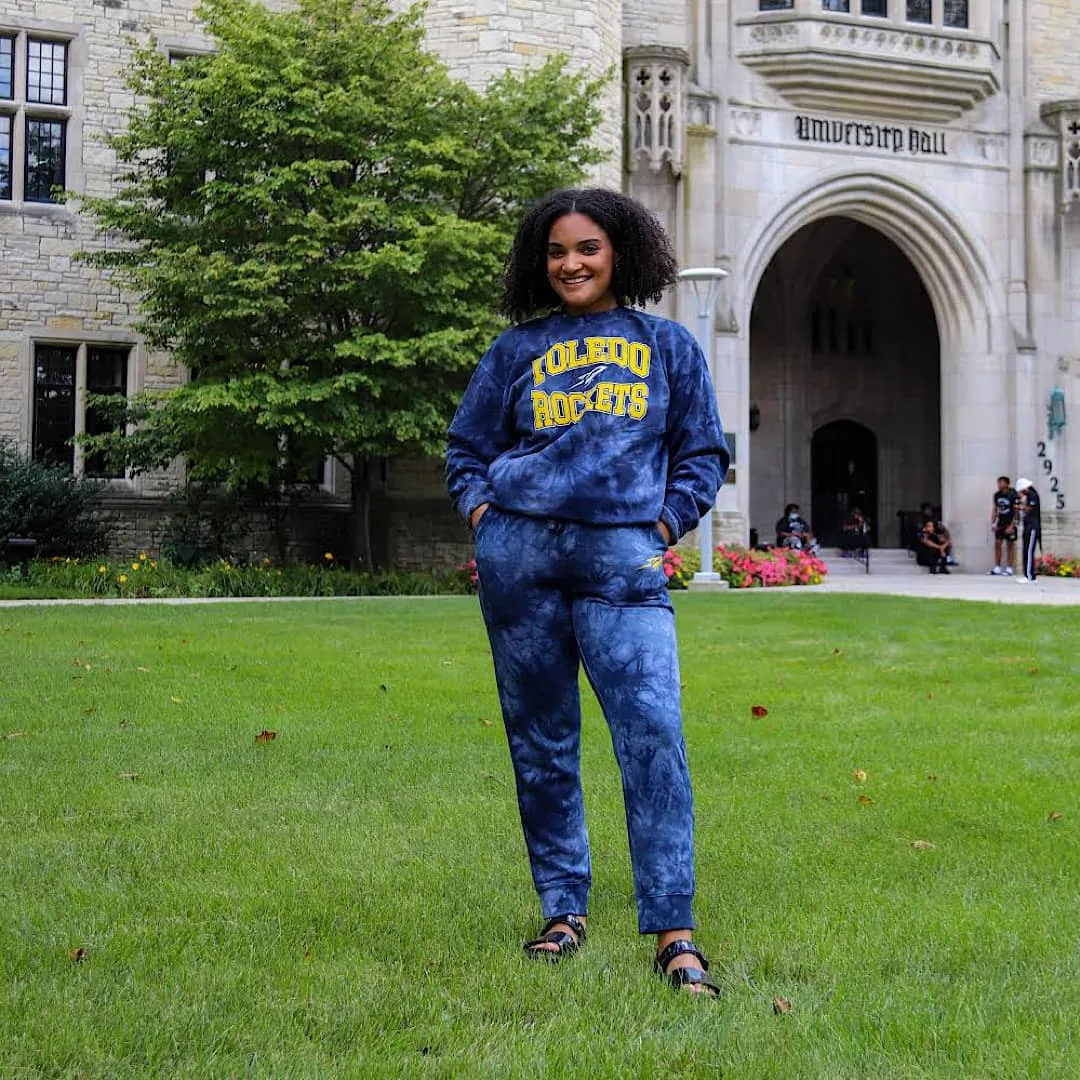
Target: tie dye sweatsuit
582,432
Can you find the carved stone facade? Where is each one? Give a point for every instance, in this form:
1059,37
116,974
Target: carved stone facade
803,145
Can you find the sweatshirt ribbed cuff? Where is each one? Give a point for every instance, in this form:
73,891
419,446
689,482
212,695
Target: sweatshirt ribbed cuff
474,497
673,523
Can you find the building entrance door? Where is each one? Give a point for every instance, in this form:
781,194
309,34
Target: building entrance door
843,469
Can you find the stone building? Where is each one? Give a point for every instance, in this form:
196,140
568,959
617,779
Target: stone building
892,185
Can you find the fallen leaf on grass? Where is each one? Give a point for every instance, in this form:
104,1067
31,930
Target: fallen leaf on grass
1055,816
758,711
781,1006
388,746
176,700
123,723
307,955
923,845
90,711
108,671
265,736
382,687
1034,671
145,670
865,800
931,776
16,735
836,652
486,723
77,956
929,697
447,663
858,776
127,776
827,798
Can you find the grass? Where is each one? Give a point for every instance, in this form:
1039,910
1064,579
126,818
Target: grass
349,899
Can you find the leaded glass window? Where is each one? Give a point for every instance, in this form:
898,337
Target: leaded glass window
918,11
876,7
7,67
44,159
106,374
5,157
46,72
955,14
54,404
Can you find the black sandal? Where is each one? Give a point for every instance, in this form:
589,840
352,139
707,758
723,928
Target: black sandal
567,944
686,976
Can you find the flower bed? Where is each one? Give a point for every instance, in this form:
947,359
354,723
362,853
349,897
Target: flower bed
1056,566
744,568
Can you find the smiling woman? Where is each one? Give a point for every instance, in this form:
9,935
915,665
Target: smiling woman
580,262
575,490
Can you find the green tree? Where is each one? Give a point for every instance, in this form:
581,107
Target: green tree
315,216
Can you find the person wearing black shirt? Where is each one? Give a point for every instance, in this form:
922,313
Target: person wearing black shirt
933,549
793,530
855,532
1003,524
1031,507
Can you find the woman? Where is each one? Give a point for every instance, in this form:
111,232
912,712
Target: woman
587,442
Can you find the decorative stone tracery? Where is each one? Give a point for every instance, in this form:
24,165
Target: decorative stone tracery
655,112
1064,117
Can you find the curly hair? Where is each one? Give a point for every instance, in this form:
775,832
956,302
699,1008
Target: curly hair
645,264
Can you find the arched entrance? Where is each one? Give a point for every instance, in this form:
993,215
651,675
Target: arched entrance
845,373
969,308
843,478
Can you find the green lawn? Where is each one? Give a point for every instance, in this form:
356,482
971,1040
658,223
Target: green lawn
349,899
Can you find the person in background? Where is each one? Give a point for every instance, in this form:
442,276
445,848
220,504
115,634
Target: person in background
793,531
1003,525
1031,508
933,547
941,531
855,532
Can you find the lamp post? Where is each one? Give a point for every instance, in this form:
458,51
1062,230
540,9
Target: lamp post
705,281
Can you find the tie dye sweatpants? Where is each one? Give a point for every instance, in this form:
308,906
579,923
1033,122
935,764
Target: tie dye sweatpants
555,595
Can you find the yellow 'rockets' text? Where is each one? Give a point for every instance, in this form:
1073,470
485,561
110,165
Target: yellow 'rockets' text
616,399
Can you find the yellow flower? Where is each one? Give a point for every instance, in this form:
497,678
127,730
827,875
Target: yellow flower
101,569
153,565
134,566
329,556
122,579
142,556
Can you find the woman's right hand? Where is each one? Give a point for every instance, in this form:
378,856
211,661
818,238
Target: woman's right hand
477,514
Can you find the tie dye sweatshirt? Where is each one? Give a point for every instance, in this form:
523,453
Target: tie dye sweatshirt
608,419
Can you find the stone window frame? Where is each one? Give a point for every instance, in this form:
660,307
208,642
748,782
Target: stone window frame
979,14
81,340
20,109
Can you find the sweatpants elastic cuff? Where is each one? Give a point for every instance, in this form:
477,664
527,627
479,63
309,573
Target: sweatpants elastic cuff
659,913
565,900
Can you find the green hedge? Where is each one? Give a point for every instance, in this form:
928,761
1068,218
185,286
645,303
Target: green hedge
145,577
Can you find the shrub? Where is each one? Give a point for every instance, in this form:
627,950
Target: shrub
48,505
202,525
144,577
